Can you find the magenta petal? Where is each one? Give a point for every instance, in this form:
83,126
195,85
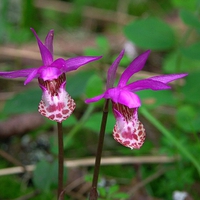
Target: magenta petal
168,78
75,63
31,76
46,55
129,99
146,84
18,73
49,41
124,97
94,99
49,73
112,71
136,65
59,63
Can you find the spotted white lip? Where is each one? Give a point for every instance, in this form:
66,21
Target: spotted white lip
128,130
56,103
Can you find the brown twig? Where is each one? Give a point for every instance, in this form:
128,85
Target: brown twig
11,159
77,183
76,195
28,196
104,161
147,180
74,184
88,11
21,53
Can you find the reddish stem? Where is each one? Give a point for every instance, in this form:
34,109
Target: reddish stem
93,192
60,161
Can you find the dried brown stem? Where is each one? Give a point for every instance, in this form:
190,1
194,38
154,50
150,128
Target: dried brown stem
11,159
28,196
147,180
104,161
88,11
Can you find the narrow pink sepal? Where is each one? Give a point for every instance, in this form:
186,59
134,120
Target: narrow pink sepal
31,76
49,41
146,84
136,65
94,99
112,70
17,73
74,63
46,55
168,78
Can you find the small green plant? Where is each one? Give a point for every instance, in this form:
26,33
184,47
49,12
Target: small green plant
112,193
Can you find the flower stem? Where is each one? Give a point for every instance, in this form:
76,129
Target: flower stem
171,137
93,192
60,160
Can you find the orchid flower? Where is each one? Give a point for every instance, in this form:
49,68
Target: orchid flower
128,130
56,103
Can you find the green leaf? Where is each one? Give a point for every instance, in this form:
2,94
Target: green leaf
93,123
121,196
69,121
102,191
53,175
27,14
102,48
175,62
171,137
190,19
113,189
41,177
150,33
43,196
19,36
45,175
192,51
91,52
94,87
189,5
188,118
16,187
153,99
191,88
23,102
103,43
76,83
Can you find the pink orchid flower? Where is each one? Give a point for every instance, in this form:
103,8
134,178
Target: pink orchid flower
56,103
128,130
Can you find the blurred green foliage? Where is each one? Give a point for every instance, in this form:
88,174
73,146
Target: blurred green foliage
49,172
177,109
161,37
